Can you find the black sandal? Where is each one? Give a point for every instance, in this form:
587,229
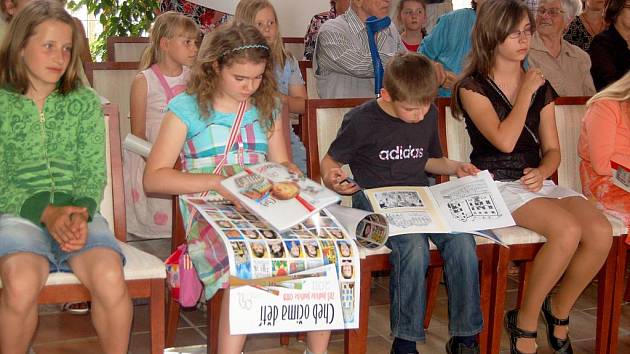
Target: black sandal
559,346
515,332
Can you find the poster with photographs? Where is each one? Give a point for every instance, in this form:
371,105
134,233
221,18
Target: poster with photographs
272,260
471,204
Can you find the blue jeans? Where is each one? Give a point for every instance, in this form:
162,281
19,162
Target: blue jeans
407,289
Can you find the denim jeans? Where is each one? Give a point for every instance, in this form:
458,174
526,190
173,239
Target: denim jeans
407,289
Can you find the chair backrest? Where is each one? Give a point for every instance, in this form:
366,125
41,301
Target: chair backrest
568,111
113,81
569,114
295,46
311,83
113,205
126,48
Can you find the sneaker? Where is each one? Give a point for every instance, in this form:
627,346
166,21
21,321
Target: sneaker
393,351
460,348
403,349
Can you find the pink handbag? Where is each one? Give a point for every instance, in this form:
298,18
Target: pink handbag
182,277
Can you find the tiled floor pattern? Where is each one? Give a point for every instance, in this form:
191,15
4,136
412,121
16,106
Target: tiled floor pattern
61,333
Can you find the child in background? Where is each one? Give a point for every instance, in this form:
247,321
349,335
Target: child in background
233,73
261,14
411,16
52,154
605,137
510,118
164,72
405,116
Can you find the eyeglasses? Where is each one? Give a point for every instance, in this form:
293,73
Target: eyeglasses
527,33
553,12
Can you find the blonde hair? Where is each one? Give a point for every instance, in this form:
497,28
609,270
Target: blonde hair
13,70
246,12
223,47
617,91
411,78
166,25
496,19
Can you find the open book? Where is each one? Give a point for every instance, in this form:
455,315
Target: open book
278,196
621,176
470,204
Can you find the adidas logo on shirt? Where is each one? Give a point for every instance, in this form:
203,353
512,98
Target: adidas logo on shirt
401,153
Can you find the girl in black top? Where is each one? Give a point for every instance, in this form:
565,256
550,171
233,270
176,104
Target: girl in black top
509,115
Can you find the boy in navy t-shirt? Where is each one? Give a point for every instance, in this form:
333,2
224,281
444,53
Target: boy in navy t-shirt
393,141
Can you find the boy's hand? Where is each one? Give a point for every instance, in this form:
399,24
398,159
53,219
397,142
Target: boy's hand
338,181
79,228
59,224
466,169
532,179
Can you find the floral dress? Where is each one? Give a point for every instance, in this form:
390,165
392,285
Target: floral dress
207,19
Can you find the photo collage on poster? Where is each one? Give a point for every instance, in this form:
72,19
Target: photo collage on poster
258,251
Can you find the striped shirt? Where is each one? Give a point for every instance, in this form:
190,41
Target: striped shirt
342,60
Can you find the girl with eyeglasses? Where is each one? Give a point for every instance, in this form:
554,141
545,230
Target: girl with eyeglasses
509,115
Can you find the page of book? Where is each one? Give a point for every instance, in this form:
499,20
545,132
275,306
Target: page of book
257,252
278,196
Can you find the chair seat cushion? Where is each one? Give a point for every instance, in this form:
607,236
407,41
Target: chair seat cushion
139,265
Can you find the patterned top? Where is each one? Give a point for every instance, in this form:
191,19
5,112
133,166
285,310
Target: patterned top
342,59
56,157
206,137
313,28
578,35
207,19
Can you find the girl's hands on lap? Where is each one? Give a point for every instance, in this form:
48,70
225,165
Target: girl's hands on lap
466,169
532,179
292,168
338,180
218,187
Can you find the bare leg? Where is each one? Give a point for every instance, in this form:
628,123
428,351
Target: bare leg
317,341
228,344
100,270
587,260
23,277
563,233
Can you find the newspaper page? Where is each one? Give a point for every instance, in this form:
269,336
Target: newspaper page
470,204
621,176
278,196
304,279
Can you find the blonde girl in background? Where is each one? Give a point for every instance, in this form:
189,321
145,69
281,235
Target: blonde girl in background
164,72
260,13
411,17
232,78
53,174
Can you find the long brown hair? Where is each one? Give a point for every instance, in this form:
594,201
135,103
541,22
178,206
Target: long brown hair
246,12
167,25
231,43
13,70
496,19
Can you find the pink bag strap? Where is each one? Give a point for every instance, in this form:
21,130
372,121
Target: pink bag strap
167,89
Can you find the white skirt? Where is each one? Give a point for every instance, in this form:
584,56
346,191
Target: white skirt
516,195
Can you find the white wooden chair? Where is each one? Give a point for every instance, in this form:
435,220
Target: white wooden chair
144,273
524,243
123,49
324,119
295,46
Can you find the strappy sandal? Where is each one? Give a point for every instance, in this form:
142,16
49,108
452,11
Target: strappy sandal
559,346
515,332
76,308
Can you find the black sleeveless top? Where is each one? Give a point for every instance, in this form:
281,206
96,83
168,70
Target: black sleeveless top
526,153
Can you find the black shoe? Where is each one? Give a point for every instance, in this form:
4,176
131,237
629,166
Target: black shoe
559,346
401,346
460,348
515,333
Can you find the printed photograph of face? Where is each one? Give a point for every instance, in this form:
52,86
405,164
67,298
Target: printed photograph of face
276,249
336,233
225,224
311,248
259,250
269,234
294,248
232,215
251,234
344,249
233,234
347,269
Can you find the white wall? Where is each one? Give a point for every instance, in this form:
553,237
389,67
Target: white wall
293,15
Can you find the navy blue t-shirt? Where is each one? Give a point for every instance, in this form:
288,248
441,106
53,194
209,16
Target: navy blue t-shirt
384,151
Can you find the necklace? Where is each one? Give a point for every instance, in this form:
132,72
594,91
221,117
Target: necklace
589,26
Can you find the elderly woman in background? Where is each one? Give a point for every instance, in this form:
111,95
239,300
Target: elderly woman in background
587,25
609,50
567,67
605,137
